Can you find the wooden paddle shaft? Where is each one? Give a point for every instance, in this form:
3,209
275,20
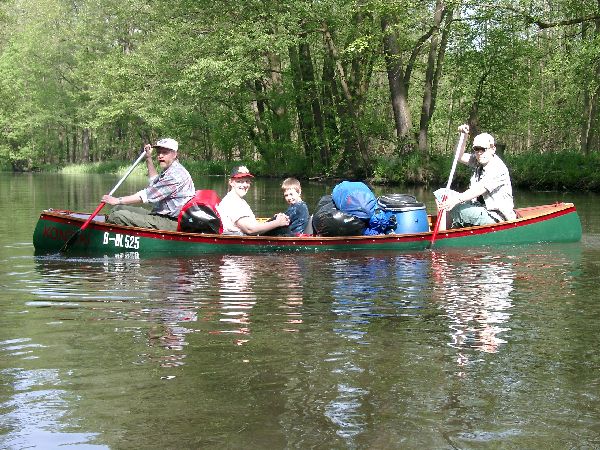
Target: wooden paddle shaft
442,212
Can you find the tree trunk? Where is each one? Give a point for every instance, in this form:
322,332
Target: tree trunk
329,97
398,91
85,145
440,59
305,118
590,128
73,156
429,90
310,90
349,102
280,124
261,130
63,145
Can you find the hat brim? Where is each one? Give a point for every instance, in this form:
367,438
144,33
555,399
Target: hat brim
242,175
166,148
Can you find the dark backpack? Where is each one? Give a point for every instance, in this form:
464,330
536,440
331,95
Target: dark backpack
199,214
330,221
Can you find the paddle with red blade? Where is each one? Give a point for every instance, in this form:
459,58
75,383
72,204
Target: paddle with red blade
75,235
441,212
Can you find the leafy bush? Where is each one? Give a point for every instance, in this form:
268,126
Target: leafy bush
411,169
558,171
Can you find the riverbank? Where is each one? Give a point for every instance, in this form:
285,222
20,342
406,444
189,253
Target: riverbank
567,171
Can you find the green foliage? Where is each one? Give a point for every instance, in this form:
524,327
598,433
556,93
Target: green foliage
120,167
223,81
412,169
116,167
557,171
207,167
570,171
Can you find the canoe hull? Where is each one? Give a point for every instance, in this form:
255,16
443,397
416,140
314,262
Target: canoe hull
548,223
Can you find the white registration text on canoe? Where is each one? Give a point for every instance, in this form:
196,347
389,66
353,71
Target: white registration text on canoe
122,240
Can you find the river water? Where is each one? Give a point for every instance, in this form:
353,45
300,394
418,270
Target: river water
473,348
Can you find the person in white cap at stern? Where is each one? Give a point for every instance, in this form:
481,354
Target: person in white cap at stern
489,198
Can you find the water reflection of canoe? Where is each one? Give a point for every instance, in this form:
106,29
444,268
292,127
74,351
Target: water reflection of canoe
558,222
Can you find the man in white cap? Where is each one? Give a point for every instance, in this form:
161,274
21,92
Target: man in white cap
167,192
489,198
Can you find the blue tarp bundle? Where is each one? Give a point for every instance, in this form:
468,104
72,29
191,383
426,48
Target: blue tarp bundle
354,198
382,222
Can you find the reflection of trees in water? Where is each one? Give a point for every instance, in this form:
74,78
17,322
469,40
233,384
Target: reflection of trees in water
168,299
35,414
153,300
376,287
215,293
170,307
366,365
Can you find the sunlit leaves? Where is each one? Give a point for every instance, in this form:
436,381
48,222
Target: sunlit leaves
205,67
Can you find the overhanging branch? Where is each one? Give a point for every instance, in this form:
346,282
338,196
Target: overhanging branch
542,25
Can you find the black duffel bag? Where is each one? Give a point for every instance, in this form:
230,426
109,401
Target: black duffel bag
330,221
199,215
200,219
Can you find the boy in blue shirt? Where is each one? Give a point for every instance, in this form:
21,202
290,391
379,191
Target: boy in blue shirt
297,211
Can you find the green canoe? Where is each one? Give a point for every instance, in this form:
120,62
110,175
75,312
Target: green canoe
558,222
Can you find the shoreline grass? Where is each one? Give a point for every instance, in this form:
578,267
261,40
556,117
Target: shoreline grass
565,171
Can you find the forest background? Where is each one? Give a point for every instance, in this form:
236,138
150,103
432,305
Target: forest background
366,89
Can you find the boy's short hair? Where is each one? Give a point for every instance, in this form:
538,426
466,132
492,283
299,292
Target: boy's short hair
291,183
